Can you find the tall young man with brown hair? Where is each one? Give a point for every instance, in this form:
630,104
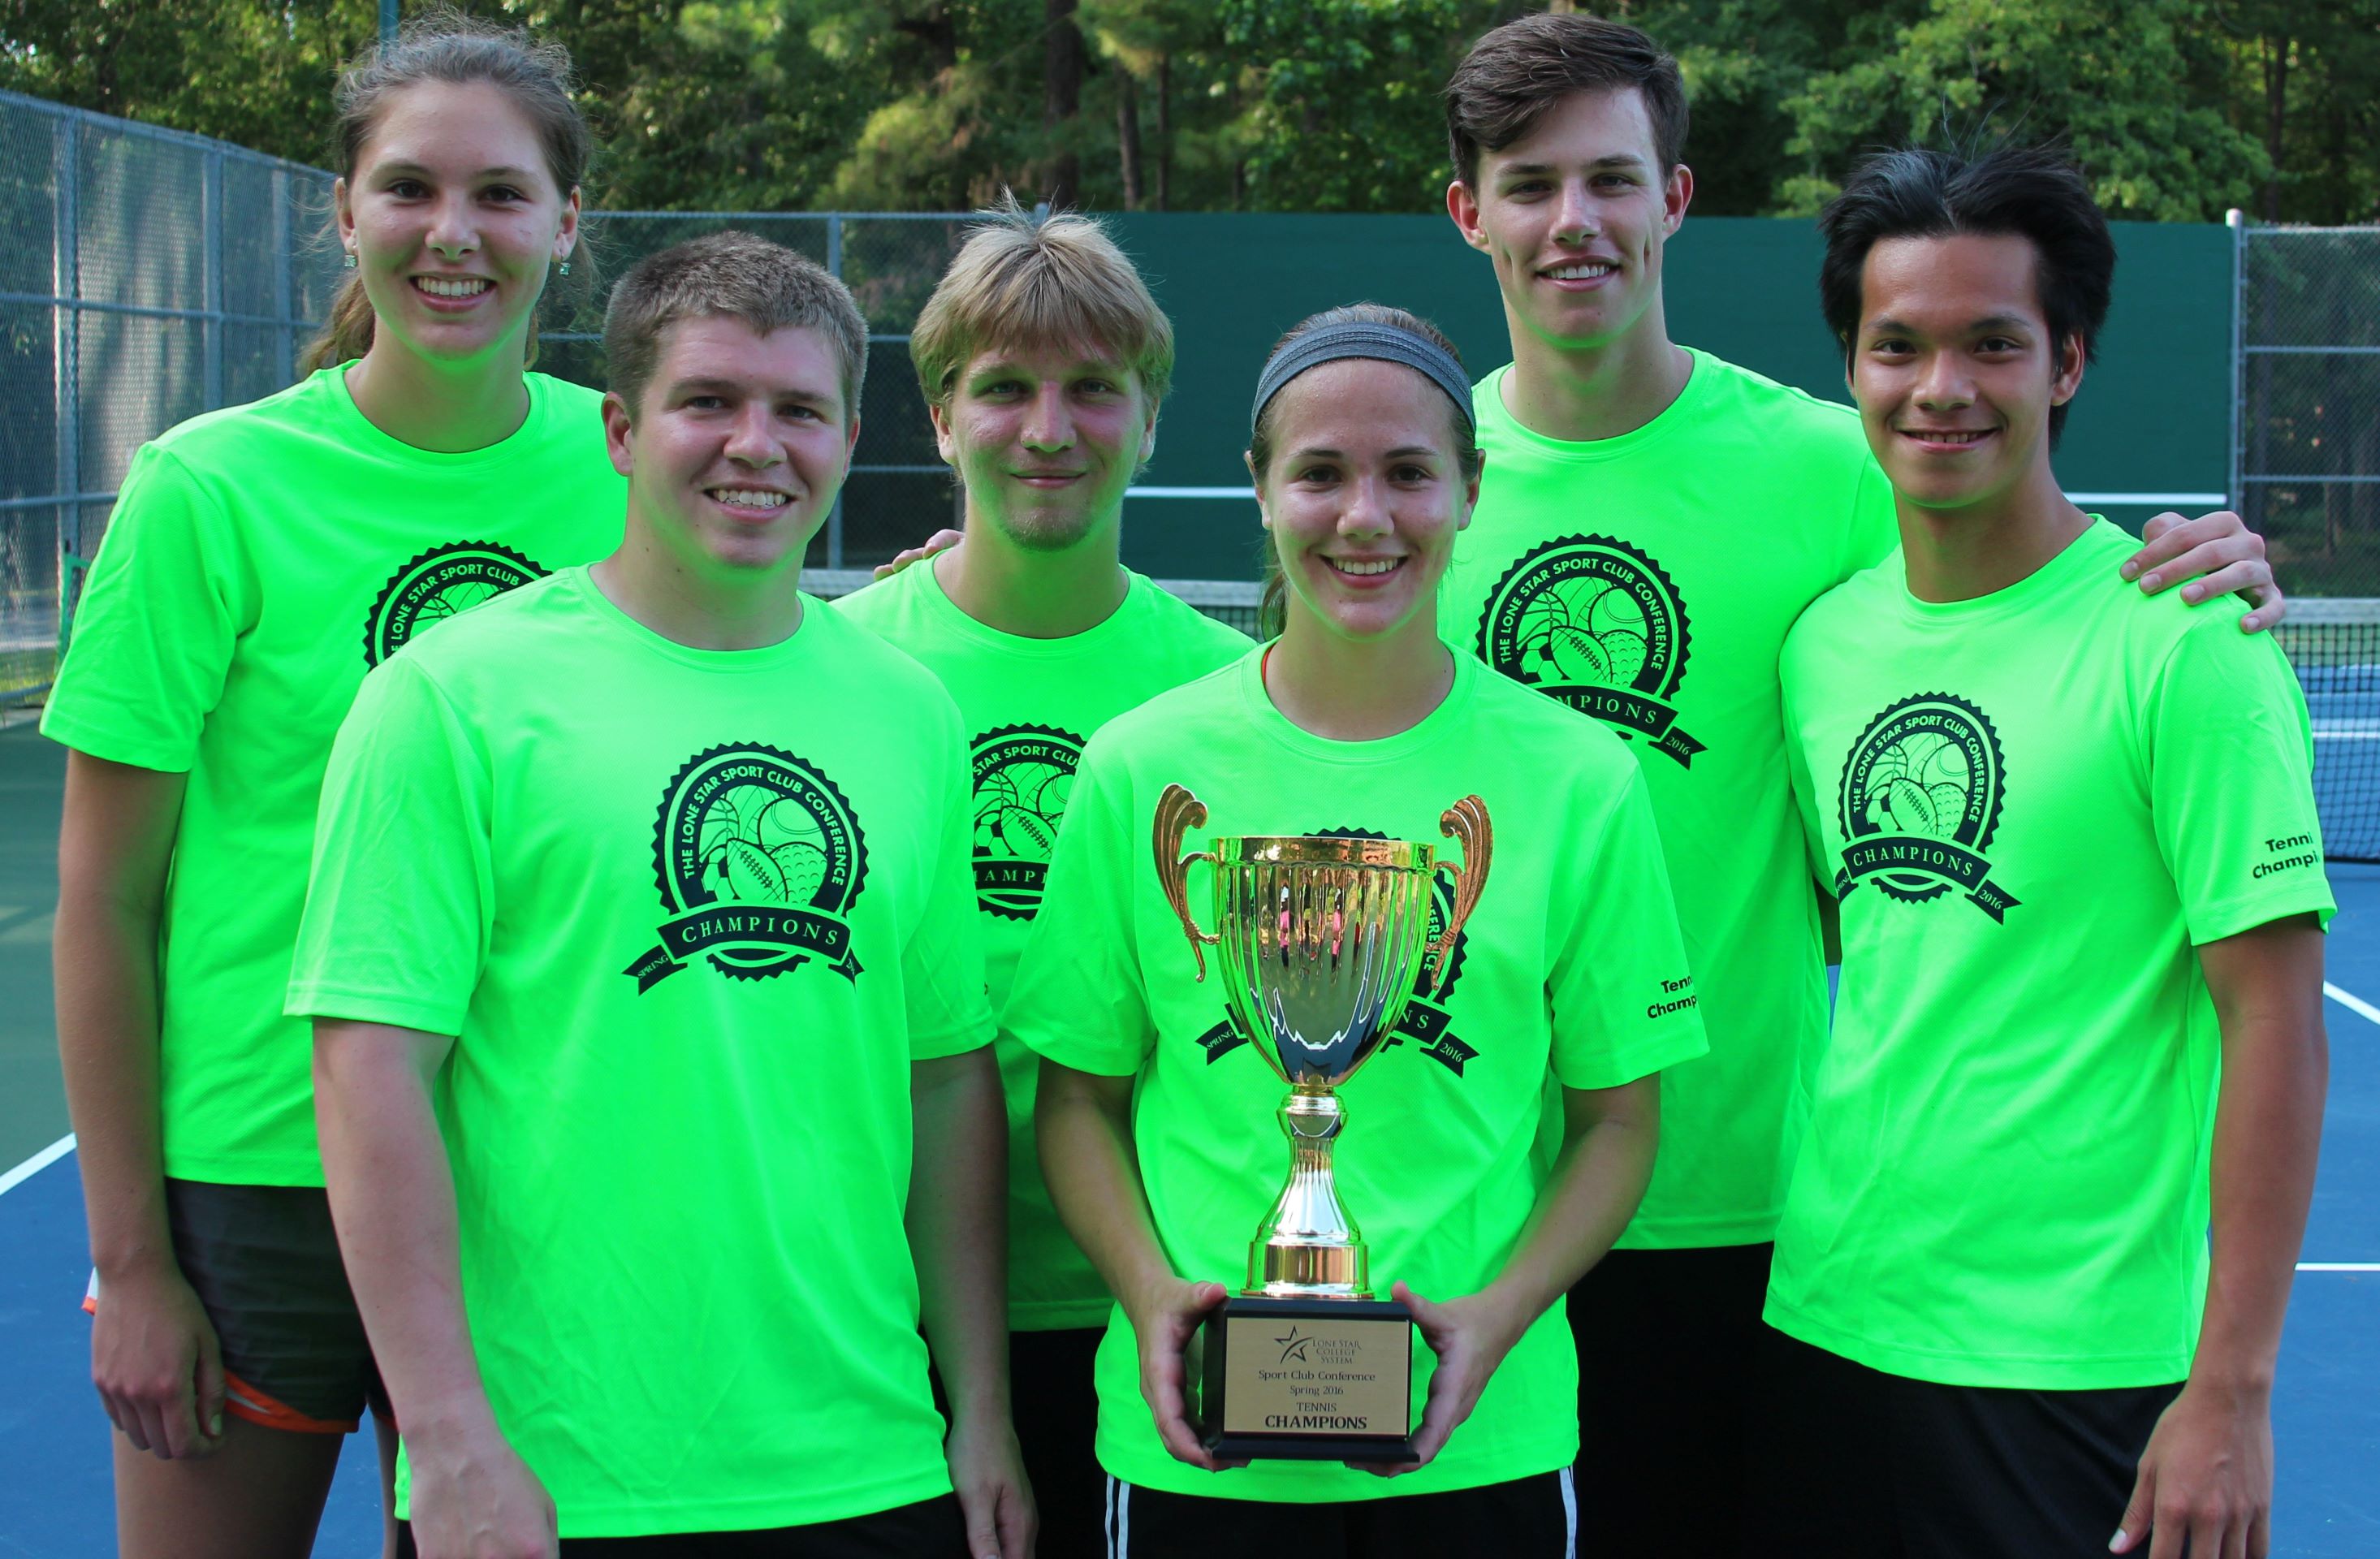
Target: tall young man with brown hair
1042,358
1651,522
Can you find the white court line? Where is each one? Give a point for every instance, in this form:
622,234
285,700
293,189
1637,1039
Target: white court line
37,1164
65,1145
2352,1001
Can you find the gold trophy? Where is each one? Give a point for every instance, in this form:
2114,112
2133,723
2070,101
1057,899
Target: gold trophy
1322,942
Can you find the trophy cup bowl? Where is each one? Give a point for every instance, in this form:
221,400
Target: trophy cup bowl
1322,941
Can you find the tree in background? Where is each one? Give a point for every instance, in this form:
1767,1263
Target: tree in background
2178,109
2135,88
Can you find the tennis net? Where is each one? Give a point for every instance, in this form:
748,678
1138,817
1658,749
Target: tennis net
2334,643
1227,601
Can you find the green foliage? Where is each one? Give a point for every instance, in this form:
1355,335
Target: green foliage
2179,108
2131,85
1344,111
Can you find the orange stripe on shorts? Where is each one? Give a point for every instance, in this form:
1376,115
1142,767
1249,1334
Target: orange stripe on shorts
242,1400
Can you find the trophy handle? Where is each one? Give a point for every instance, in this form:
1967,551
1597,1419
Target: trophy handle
1178,811
1466,823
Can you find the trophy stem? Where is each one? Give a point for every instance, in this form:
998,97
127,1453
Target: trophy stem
1307,1245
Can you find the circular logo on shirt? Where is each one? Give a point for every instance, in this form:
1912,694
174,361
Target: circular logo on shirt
1600,626
759,856
1022,775
437,585
1920,800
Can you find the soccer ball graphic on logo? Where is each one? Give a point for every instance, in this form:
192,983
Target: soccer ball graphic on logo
761,846
1920,785
1017,808
1581,632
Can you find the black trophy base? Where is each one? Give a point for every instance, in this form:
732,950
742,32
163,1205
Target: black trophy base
1305,1380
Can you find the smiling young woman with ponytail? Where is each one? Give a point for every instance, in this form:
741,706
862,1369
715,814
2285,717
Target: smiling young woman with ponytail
260,561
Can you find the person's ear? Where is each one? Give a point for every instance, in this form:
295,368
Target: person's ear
1463,206
618,441
2067,377
566,242
943,445
1677,194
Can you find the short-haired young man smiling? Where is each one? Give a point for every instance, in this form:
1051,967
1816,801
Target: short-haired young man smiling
655,881
1651,522
1043,360
2073,836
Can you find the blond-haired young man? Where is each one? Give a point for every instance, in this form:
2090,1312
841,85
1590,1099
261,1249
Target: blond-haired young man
1043,360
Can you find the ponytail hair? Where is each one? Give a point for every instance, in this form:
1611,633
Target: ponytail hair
1272,610
444,46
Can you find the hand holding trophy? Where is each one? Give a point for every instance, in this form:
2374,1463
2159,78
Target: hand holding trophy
1322,941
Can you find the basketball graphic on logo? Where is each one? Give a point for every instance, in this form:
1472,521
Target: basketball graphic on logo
436,585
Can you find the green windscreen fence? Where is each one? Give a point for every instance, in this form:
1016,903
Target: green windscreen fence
2151,429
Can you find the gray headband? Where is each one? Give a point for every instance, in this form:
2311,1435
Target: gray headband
1358,340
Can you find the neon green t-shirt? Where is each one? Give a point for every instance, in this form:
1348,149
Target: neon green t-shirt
1030,705
260,561
2036,805
1571,964
691,914
1648,580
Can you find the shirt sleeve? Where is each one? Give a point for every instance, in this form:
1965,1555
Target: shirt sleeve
941,968
2230,782
1624,1004
157,624
401,899
1079,997
1806,794
1875,522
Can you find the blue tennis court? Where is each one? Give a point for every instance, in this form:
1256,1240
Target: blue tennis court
54,1499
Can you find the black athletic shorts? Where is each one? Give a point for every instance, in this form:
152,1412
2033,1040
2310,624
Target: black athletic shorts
1851,1463
1526,1518
1057,1411
928,1529
265,1263
1666,1345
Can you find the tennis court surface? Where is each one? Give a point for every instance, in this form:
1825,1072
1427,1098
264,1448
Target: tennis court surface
54,1455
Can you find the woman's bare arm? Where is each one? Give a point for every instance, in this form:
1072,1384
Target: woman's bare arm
154,1355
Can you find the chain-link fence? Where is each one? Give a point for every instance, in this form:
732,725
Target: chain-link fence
2306,455
147,277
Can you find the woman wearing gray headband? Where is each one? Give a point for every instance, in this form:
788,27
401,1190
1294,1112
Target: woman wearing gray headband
1156,1116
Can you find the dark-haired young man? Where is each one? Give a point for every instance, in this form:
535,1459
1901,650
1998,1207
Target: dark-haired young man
1652,522
651,1044
2073,834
